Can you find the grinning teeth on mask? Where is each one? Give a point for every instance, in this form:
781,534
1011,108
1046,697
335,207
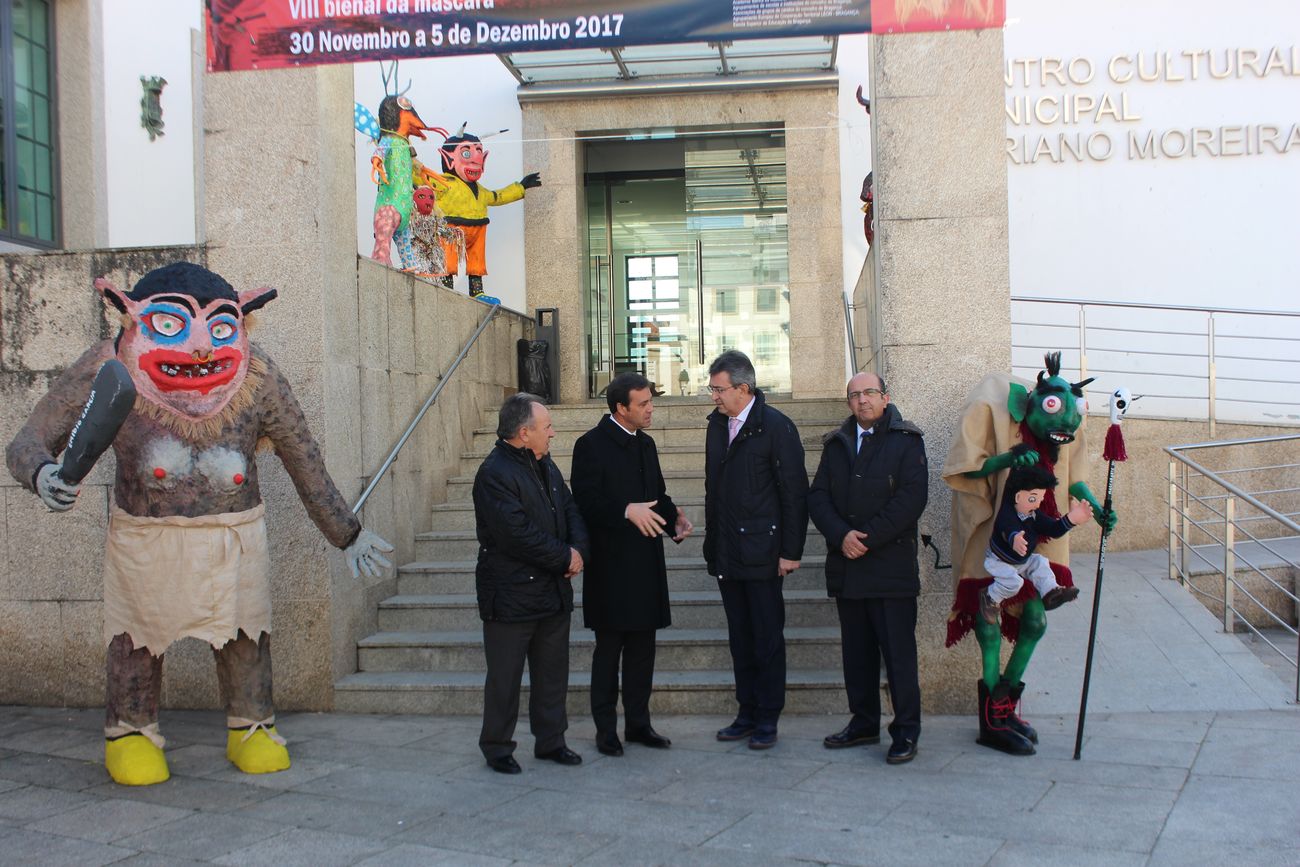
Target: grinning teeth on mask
191,371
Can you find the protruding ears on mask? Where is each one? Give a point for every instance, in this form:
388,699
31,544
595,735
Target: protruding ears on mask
111,294
1018,402
255,299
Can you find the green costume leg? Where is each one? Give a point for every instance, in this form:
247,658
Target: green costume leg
1033,623
989,637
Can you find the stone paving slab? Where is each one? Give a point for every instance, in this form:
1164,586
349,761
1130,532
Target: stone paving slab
1191,756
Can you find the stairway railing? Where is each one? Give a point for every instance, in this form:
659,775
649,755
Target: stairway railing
1238,536
493,309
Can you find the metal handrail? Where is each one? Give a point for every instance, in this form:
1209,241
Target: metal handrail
1253,392
1181,497
433,397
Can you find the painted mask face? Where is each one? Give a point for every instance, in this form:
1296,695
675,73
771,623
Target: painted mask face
466,159
1053,409
425,199
184,338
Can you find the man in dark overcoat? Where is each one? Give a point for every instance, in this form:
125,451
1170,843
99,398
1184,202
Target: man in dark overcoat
870,490
532,542
755,517
620,492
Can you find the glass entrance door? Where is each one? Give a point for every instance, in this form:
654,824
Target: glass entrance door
687,258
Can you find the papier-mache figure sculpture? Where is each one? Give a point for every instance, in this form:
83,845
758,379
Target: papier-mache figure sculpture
429,232
187,547
465,204
1009,423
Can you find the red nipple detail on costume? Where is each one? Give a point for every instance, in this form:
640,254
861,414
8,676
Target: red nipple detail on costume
159,473
239,478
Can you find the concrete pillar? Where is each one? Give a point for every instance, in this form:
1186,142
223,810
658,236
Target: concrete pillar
942,277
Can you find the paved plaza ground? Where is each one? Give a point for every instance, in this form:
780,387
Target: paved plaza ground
1192,756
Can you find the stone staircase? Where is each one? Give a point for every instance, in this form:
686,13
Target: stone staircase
428,655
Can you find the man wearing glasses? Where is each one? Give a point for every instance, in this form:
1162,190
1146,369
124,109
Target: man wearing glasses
870,489
756,517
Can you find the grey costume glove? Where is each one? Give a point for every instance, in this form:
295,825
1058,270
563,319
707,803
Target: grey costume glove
53,491
364,555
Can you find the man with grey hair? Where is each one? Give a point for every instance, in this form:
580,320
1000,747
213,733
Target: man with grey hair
532,542
756,517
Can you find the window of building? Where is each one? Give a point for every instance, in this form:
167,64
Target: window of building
28,160
766,349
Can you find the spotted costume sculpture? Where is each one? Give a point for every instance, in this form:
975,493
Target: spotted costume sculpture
1009,423
187,547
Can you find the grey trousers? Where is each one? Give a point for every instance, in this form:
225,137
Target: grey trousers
545,645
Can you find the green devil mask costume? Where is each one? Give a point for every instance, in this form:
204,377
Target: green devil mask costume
1008,423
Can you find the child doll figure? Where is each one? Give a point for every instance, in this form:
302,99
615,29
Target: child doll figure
1010,557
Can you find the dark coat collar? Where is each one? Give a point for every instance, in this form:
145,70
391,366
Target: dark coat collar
753,421
891,421
616,432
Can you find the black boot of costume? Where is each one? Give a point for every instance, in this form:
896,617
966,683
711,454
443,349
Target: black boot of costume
475,286
995,707
1018,725
446,280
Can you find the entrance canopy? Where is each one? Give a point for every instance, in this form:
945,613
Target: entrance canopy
266,34
810,53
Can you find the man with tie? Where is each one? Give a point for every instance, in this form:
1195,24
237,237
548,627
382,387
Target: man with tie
870,489
756,517
620,492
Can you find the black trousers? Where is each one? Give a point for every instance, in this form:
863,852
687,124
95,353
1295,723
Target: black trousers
545,645
870,629
637,649
756,631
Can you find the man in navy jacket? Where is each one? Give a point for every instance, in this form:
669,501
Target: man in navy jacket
870,489
756,517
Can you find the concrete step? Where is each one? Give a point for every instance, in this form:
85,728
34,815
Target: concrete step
681,409
680,483
683,457
819,691
459,514
684,574
690,610
463,545
815,647
672,433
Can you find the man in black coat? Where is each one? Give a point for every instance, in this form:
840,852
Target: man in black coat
870,489
620,491
531,544
756,517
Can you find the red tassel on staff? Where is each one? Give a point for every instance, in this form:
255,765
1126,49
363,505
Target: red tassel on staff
1114,450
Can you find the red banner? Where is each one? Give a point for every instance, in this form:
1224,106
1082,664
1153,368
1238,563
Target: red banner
912,16
266,34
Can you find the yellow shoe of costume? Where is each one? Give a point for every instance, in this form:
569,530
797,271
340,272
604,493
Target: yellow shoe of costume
133,760
260,753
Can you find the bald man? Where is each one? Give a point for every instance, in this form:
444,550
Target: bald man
871,488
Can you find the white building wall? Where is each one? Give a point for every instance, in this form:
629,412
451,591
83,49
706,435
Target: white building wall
150,184
1202,229
447,92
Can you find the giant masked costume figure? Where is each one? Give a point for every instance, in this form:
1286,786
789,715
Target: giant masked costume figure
396,173
1008,423
465,203
187,548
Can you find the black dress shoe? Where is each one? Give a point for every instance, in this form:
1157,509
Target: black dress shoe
847,737
647,737
762,739
561,756
608,744
901,752
737,731
505,765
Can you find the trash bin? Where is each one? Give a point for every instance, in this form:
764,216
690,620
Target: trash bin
534,371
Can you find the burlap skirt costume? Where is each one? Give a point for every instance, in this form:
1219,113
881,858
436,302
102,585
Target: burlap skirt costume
176,577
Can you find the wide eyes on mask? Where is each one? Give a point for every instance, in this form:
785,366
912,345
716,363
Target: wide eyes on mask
1052,404
166,325
222,330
